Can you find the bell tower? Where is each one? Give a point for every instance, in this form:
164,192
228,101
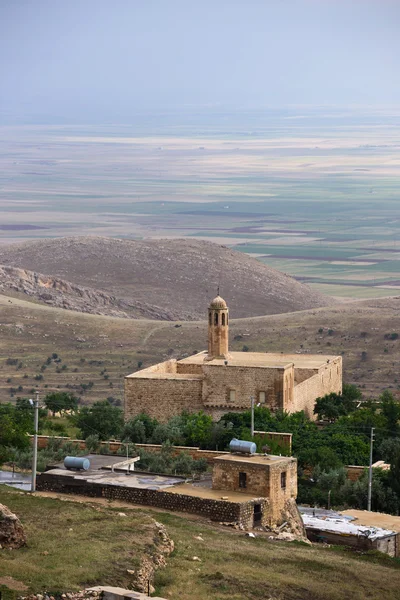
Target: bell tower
218,329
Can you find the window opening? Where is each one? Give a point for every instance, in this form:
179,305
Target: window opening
283,480
223,318
242,480
210,319
216,318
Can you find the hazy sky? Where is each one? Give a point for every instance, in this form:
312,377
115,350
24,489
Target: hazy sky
110,57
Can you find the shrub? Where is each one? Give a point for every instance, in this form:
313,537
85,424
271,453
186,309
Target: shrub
93,443
12,361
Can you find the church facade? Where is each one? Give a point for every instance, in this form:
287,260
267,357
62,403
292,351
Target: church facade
217,381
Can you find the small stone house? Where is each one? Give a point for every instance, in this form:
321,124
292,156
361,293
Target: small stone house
273,479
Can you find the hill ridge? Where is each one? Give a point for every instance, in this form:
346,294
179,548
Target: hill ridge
175,277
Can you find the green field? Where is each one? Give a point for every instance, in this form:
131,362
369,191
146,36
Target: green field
315,196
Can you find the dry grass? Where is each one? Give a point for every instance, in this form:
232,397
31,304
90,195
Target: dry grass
89,543
73,545
31,332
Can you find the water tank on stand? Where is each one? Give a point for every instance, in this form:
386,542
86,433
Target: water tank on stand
77,462
242,446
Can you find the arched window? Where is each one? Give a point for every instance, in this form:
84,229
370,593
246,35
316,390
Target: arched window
227,319
210,318
215,318
223,318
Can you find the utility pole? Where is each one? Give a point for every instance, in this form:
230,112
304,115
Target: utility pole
370,469
252,417
35,441
252,414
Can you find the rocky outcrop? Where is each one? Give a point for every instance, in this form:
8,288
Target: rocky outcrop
63,294
12,534
292,527
156,559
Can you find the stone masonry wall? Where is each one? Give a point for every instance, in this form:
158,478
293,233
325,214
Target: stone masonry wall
216,510
226,477
262,480
246,382
327,380
162,398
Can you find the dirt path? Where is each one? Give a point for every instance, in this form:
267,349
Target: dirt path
152,331
13,584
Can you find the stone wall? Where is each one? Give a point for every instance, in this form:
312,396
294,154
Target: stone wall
326,379
245,382
216,510
283,439
162,398
261,480
388,545
193,451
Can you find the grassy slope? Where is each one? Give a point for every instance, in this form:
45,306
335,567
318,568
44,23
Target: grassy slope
90,543
31,332
71,545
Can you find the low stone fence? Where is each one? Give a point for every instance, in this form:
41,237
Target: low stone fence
193,451
216,510
354,472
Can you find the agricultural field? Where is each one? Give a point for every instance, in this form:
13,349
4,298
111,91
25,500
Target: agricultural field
309,193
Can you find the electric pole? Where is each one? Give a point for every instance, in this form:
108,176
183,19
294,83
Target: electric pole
252,417
35,441
370,469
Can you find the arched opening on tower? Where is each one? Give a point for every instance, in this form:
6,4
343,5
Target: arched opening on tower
216,318
223,318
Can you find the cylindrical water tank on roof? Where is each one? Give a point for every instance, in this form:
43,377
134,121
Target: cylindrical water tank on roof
242,446
76,462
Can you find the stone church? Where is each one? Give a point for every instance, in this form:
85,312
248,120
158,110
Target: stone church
218,381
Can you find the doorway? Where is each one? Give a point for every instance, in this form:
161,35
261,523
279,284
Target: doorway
257,515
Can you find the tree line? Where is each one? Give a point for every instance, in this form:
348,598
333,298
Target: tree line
322,449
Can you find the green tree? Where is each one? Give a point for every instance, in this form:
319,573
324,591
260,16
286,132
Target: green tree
332,406
197,429
101,418
60,402
391,411
16,422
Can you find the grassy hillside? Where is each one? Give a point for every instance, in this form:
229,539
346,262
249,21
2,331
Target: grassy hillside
175,279
71,545
96,352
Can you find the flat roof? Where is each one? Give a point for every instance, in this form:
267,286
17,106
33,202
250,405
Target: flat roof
254,459
376,519
263,359
133,480
343,527
188,489
147,374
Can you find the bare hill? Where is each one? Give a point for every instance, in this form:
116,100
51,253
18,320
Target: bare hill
62,294
176,277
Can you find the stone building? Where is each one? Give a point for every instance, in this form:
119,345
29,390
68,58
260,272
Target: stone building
246,490
219,381
272,478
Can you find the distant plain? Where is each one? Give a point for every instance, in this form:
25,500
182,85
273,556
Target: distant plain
314,194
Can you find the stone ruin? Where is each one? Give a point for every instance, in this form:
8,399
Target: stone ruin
12,534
